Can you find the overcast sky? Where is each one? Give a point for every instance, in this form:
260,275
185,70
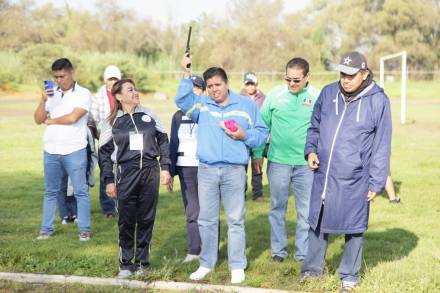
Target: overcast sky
177,11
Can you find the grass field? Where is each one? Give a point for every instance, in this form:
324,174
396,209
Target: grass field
402,247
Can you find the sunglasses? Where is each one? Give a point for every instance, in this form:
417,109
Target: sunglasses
296,80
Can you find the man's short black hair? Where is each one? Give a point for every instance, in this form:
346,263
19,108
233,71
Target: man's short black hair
62,63
300,63
215,71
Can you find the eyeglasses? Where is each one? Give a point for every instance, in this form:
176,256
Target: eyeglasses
294,80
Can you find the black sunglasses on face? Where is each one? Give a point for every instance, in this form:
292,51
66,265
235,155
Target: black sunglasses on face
296,80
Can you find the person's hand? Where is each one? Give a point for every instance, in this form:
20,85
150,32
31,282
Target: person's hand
45,94
313,161
371,195
48,121
165,177
239,134
111,191
185,61
169,186
257,164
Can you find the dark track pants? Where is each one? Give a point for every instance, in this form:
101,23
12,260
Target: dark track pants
138,192
190,196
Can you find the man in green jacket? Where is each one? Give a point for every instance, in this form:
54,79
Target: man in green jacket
287,111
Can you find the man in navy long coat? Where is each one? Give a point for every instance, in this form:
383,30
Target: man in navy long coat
348,147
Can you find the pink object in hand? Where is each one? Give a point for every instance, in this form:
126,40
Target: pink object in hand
230,124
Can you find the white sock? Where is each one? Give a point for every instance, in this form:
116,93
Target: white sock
200,273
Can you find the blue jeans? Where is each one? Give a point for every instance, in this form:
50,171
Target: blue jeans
351,260
280,178
107,204
224,183
66,200
56,167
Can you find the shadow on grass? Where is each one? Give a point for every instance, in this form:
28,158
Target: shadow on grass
385,246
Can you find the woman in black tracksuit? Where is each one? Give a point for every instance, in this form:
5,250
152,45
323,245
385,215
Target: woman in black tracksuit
132,138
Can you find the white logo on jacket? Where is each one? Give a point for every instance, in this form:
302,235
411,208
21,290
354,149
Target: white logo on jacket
146,118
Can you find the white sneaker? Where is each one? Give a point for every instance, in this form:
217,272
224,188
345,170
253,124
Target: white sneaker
44,236
200,273
190,258
237,276
124,274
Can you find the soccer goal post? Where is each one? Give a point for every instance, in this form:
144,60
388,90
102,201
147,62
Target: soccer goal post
403,81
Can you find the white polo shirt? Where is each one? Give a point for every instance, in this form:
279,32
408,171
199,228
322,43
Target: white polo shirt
66,139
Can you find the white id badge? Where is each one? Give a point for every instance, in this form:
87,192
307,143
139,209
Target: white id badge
136,141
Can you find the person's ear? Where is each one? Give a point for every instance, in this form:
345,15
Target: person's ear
365,74
307,77
118,97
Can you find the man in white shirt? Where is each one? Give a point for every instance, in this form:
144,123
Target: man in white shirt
65,112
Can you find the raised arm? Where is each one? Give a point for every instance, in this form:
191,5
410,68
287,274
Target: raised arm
40,113
185,99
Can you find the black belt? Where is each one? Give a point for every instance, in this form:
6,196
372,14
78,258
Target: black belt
180,154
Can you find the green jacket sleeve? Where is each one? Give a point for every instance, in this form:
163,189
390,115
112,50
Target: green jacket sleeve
266,115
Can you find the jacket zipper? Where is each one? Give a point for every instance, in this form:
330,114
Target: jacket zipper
331,151
137,131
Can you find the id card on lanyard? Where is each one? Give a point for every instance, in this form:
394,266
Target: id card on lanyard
136,141
136,138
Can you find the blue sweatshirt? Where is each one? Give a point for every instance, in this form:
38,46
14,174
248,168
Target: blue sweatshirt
214,146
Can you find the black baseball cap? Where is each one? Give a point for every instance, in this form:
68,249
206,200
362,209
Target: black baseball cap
198,81
351,63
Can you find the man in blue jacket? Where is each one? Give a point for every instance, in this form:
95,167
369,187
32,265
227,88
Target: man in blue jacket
348,148
228,126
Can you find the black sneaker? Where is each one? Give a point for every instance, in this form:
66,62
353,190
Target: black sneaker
110,215
277,258
395,201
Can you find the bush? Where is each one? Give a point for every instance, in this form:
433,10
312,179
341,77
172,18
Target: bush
92,66
11,71
33,64
37,61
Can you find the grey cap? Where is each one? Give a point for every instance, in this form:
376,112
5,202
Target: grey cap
351,63
250,77
198,82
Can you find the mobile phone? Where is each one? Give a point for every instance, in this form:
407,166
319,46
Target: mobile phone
49,85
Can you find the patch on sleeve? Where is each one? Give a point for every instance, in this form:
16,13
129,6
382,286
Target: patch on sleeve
146,118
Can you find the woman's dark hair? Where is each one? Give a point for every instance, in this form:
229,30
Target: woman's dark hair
215,71
61,64
117,89
300,63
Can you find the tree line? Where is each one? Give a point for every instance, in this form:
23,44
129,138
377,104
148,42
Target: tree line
251,35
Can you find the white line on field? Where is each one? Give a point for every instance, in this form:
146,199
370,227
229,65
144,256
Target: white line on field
157,285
